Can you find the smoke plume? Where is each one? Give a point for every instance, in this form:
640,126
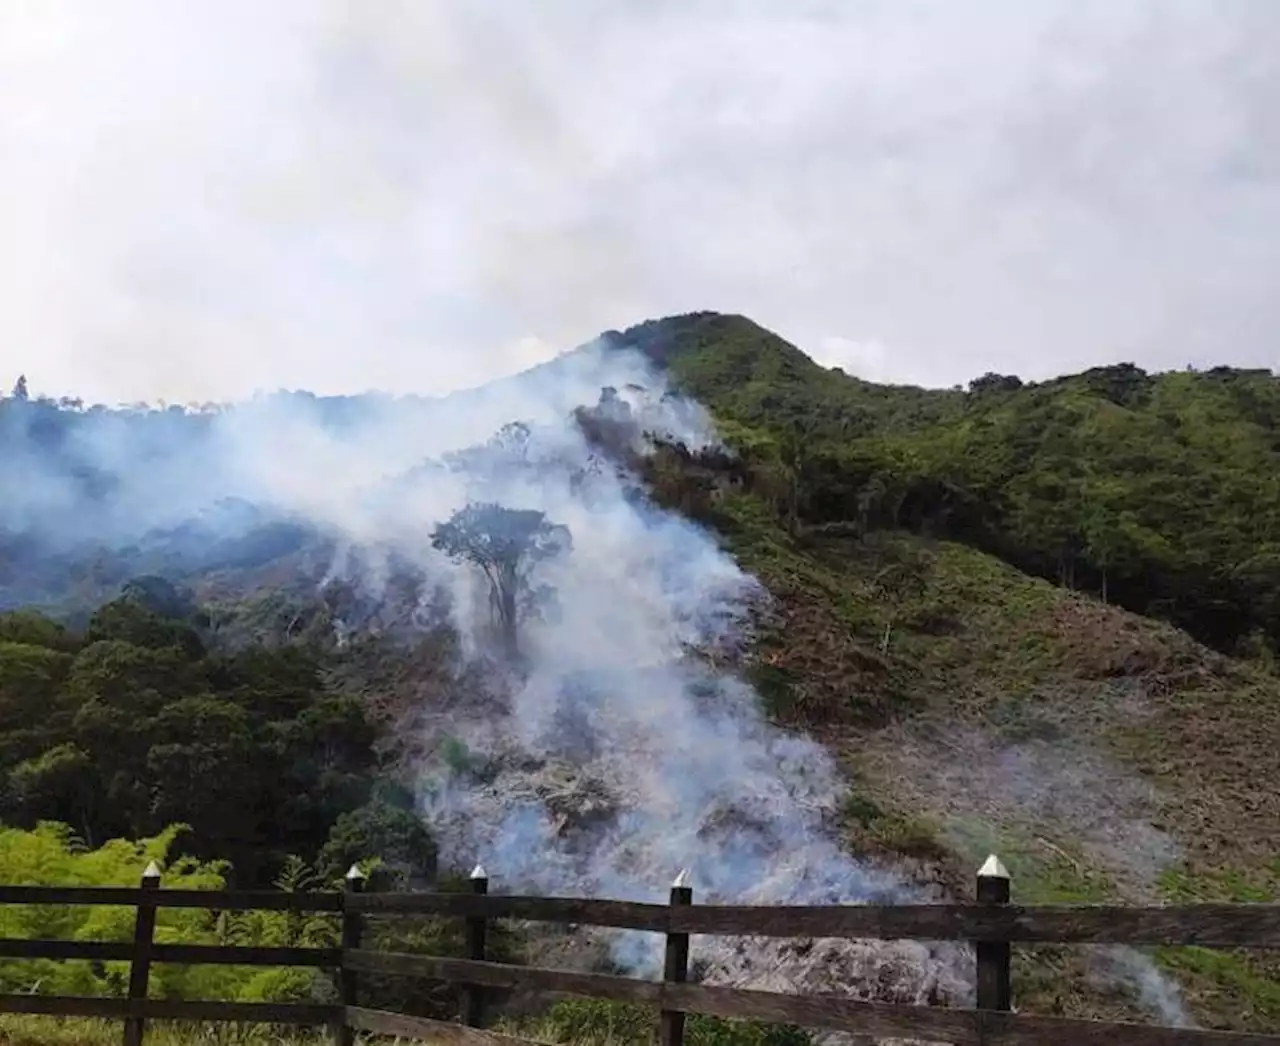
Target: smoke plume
616,755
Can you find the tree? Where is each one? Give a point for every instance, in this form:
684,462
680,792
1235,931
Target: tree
506,544
128,619
509,449
992,382
392,834
793,455
1101,531
58,785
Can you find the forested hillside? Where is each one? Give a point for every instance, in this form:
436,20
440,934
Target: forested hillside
1159,492
135,724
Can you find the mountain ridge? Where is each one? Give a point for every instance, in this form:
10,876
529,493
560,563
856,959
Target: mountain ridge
1156,491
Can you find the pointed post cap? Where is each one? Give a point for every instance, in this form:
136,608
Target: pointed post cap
152,871
354,873
993,868
682,881
478,872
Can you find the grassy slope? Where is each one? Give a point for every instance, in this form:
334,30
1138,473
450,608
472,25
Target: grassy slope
1101,754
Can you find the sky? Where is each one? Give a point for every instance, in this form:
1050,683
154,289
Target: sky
205,199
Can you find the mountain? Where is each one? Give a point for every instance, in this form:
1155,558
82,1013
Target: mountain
1032,619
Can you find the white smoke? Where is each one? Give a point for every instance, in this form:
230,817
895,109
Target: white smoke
616,757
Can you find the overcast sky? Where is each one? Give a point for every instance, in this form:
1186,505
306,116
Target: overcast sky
198,199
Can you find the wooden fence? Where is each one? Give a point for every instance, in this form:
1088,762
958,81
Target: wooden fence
992,925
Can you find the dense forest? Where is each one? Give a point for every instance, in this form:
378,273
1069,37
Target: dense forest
1158,492
134,724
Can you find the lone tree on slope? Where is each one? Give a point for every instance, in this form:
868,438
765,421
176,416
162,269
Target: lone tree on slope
505,543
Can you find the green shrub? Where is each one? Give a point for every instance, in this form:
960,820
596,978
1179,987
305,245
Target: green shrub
581,1021
52,855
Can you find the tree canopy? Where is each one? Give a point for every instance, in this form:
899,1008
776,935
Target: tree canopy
132,725
507,544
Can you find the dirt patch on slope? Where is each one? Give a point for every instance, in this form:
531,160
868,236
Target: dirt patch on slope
1045,795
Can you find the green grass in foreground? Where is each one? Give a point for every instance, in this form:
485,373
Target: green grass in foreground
596,1022
580,1022
1242,982
25,1030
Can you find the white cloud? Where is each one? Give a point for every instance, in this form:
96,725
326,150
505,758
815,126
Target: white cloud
866,359
203,198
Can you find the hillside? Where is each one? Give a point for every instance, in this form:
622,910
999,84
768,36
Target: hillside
980,707
1038,620
977,710
1163,490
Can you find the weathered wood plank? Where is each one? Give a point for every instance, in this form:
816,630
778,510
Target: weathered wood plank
380,1022
97,951
213,900
144,928
473,999
352,934
581,911
236,955
994,980
675,967
1210,925
836,1013
500,975
172,1009
186,954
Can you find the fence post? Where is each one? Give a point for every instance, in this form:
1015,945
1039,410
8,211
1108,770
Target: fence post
995,986
352,931
676,966
144,928
472,994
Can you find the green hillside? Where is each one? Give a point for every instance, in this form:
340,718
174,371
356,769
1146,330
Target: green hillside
1163,491
940,559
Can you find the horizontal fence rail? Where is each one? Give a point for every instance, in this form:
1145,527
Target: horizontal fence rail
1208,925
992,925
172,1009
183,954
828,1012
212,900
